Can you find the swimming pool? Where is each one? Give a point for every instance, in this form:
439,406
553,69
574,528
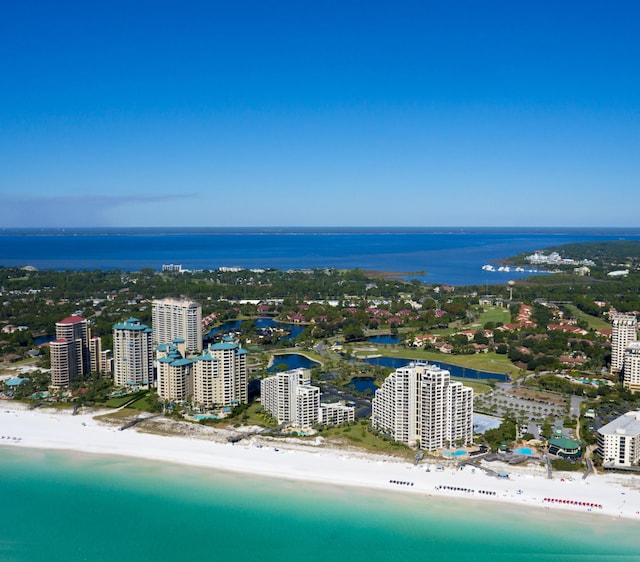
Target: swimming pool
199,417
457,453
524,451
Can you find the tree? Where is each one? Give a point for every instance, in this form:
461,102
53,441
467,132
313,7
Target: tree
546,430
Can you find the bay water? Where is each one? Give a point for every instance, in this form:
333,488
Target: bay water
432,255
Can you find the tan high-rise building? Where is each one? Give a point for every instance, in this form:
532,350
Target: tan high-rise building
177,318
623,332
63,361
420,404
175,377
70,354
132,354
106,362
95,354
631,367
220,375
76,329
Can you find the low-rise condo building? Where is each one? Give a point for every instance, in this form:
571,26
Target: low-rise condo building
336,413
619,441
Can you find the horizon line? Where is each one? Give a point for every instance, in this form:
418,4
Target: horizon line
307,227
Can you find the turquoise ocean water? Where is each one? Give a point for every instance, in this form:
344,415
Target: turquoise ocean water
68,506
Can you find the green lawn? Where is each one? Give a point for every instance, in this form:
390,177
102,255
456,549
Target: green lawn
253,415
359,436
148,402
478,387
119,401
490,362
495,314
593,321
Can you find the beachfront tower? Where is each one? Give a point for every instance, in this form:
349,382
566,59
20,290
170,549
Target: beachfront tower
63,362
623,332
132,354
70,356
220,375
291,399
76,329
420,404
175,378
177,318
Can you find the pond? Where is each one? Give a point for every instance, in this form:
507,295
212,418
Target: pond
43,339
455,370
362,384
386,339
290,361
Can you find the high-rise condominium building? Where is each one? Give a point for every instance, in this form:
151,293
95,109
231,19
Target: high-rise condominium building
220,375
63,364
290,398
95,354
70,355
623,332
631,367
132,354
177,318
175,377
420,404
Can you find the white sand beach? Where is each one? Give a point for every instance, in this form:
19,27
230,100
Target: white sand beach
616,495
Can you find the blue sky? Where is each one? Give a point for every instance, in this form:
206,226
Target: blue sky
319,113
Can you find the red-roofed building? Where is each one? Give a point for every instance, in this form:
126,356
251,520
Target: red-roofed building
71,320
296,318
70,351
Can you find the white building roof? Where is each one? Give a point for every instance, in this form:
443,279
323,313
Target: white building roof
627,424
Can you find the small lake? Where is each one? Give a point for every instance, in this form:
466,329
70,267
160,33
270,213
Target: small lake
261,323
362,384
455,370
289,361
43,339
384,339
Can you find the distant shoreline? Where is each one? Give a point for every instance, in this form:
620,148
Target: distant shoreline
393,274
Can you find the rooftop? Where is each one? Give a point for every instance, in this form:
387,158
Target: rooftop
71,320
627,424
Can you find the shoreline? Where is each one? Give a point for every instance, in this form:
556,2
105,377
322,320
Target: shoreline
619,495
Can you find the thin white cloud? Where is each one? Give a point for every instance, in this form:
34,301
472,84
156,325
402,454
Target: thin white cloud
74,210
